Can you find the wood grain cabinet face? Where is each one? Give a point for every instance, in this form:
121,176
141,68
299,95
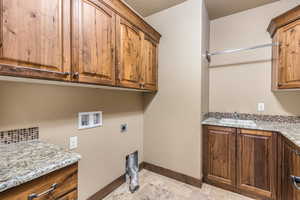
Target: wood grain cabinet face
285,31
96,26
149,64
220,156
290,166
129,56
289,56
66,180
35,35
256,163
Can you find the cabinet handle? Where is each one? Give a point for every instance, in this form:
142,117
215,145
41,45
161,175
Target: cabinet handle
295,181
51,189
76,75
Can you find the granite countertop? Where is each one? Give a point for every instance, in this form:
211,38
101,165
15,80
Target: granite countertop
25,161
289,130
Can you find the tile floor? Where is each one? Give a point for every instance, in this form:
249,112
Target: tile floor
157,187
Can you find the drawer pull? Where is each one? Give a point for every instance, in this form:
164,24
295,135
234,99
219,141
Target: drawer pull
296,181
51,189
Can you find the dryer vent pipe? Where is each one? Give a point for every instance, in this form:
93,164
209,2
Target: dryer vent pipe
132,171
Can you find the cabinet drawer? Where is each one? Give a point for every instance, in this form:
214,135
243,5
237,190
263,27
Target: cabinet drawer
51,186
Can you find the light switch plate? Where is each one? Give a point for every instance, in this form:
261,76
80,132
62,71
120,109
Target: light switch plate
73,142
261,107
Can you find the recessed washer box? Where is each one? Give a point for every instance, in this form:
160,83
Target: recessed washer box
89,119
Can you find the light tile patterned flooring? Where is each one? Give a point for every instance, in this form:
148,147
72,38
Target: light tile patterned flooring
156,187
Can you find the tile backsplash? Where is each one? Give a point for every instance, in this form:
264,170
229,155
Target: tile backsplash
19,135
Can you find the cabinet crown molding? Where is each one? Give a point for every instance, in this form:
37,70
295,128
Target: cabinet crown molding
283,20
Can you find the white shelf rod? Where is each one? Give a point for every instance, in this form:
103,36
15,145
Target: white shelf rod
208,55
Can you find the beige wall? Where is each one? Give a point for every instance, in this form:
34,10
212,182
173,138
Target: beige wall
54,109
239,81
172,116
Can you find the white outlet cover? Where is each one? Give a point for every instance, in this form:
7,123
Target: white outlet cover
73,142
261,107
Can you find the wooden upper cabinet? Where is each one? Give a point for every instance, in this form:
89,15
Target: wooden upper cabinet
99,42
285,30
96,48
256,163
149,64
129,54
35,38
220,156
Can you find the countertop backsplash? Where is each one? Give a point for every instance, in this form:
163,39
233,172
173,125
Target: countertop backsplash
19,135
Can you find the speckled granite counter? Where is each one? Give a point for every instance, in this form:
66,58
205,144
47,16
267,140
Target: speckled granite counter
25,161
289,130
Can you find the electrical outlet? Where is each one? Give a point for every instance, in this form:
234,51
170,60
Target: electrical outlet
261,107
73,142
124,128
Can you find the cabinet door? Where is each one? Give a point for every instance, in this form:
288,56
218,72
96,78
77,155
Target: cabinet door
95,28
289,56
149,64
256,163
129,56
290,167
35,38
219,156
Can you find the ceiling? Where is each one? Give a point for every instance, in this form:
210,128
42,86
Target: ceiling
221,8
216,8
149,7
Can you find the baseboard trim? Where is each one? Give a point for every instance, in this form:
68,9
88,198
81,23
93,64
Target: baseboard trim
174,175
102,193
108,189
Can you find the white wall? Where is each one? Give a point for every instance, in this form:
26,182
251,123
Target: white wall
172,130
239,81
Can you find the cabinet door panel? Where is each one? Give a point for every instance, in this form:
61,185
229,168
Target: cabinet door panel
291,166
149,66
96,43
219,156
289,70
129,47
35,35
256,163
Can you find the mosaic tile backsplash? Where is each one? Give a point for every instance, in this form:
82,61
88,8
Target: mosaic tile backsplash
19,135
256,117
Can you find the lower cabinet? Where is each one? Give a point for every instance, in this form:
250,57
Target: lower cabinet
256,163
290,171
220,156
240,160
58,185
